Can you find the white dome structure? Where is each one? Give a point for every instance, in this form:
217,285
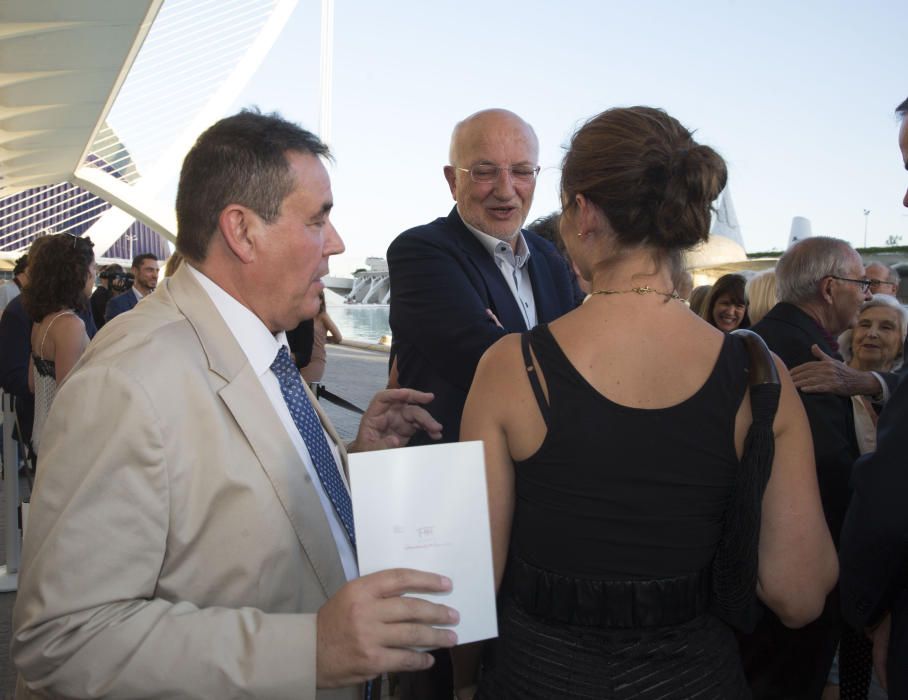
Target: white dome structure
725,244
800,229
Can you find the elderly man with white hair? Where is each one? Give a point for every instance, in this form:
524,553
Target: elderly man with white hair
821,286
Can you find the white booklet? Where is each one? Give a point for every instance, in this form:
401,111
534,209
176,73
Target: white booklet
426,508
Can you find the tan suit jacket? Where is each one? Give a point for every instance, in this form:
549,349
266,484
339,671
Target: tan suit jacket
176,547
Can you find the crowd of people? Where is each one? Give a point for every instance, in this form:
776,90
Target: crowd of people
656,533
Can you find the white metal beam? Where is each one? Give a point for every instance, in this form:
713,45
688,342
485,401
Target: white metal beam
129,203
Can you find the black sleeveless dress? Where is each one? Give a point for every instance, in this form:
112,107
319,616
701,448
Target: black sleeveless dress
617,519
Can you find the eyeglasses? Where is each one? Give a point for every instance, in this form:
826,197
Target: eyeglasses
865,283
488,172
876,284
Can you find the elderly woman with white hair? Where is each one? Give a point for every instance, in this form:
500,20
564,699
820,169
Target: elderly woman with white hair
876,343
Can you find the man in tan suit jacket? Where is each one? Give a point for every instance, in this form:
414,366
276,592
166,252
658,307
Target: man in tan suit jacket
191,552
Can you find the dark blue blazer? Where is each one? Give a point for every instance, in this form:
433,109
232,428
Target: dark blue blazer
442,282
123,302
874,552
15,347
789,332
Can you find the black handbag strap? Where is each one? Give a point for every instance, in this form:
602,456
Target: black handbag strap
762,367
735,566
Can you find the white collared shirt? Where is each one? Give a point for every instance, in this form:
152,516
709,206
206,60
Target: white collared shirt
513,267
8,292
139,295
260,348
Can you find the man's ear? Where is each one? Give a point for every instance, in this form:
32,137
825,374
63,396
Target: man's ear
451,177
826,289
237,225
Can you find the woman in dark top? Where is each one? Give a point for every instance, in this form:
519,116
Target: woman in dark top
613,439
726,308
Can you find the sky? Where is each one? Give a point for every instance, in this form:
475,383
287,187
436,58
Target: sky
799,99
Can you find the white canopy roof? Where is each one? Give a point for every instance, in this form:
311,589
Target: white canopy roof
61,65
108,95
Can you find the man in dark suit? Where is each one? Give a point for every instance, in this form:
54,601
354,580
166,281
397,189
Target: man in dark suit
15,347
145,270
111,281
10,290
874,550
821,288
463,281
826,374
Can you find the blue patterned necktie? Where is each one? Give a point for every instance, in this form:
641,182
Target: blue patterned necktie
310,429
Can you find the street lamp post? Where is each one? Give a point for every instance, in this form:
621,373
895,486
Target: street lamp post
866,219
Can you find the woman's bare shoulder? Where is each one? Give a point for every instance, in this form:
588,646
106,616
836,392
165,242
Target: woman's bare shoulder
67,322
501,354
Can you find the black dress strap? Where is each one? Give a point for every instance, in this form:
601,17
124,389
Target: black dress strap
533,376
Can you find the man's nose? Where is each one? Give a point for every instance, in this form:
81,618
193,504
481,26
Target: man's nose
504,183
334,244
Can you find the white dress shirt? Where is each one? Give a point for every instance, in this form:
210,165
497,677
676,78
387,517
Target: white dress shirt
883,396
261,347
8,292
513,267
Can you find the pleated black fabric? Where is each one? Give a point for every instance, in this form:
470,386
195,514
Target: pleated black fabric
607,603
535,660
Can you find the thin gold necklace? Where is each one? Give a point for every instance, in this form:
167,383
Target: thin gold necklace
639,290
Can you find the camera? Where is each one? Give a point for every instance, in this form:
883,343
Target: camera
119,281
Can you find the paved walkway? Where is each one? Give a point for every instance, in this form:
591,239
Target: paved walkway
7,676
355,375
352,373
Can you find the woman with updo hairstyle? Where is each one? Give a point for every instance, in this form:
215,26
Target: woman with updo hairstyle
613,441
726,308
61,277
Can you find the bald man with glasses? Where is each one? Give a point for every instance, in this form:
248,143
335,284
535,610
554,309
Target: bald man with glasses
463,281
883,279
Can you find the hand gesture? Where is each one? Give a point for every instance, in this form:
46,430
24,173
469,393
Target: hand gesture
392,418
368,628
832,376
